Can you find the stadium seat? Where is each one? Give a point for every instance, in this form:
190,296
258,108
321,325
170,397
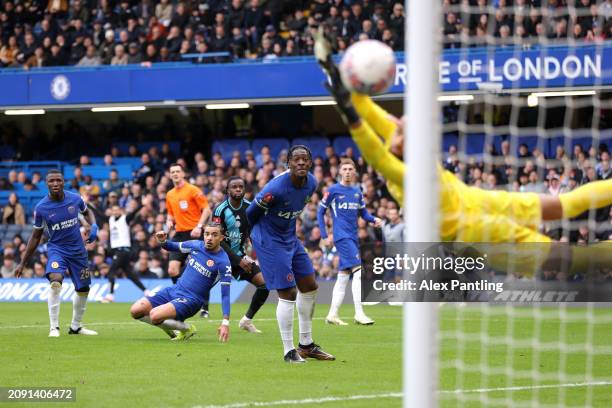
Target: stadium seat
448,140
276,145
341,143
316,144
13,229
2,228
228,146
474,143
100,172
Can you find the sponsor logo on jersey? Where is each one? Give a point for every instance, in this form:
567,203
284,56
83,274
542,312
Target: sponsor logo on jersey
210,263
54,265
180,300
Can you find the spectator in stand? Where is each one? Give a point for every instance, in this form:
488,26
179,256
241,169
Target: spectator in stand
13,212
91,58
120,57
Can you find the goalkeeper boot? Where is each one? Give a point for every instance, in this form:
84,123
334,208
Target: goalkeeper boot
335,320
54,332
186,334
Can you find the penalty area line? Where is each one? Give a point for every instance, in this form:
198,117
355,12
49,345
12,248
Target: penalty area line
400,395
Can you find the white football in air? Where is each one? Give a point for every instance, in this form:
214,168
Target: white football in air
368,67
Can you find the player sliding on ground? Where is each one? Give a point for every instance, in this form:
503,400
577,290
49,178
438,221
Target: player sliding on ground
282,257
170,307
467,214
58,214
346,205
231,214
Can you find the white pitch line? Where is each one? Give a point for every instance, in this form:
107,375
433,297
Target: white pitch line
304,401
400,395
528,387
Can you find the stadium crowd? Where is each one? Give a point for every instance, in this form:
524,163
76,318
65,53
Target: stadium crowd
146,192
119,32
530,171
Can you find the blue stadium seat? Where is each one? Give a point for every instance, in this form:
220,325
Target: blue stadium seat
100,172
316,144
276,145
341,143
2,228
448,140
13,229
175,147
228,146
530,141
474,143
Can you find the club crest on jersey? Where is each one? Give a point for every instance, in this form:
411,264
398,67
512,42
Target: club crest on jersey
54,265
268,197
71,210
183,204
210,263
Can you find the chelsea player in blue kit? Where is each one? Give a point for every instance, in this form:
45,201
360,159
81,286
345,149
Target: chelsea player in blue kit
282,257
169,308
58,214
346,204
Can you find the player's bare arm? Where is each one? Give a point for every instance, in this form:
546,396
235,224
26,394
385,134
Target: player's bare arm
33,243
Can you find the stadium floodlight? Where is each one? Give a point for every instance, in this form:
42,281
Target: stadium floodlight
118,109
318,103
15,112
211,106
420,376
455,98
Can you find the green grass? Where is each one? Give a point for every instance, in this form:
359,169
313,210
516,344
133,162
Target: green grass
133,364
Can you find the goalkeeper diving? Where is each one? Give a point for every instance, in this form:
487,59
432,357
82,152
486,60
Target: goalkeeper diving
467,214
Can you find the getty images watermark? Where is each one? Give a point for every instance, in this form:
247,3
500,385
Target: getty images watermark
547,272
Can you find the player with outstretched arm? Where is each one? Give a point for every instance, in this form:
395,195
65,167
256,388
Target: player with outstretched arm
282,258
58,214
169,308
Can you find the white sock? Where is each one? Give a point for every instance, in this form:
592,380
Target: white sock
338,294
171,324
54,303
79,304
305,307
356,287
284,316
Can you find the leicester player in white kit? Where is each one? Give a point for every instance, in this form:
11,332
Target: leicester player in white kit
346,205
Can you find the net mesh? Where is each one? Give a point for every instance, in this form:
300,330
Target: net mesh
511,133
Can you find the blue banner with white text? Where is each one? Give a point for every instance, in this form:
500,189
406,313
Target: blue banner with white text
585,66
37,290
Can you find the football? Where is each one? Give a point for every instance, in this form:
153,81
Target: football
368,67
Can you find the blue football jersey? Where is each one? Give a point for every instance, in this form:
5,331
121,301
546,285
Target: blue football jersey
283,203
346,204
61,221
202,269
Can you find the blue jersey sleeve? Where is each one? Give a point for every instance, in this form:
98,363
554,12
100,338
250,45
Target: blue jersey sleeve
325,202
262,202
39,222
365,214
82,205
184,247
225,274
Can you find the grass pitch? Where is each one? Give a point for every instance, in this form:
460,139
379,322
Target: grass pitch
135,365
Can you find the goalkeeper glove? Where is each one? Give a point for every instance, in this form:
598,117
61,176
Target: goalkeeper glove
323,54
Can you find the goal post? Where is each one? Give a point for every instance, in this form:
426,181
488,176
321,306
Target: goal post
420,376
